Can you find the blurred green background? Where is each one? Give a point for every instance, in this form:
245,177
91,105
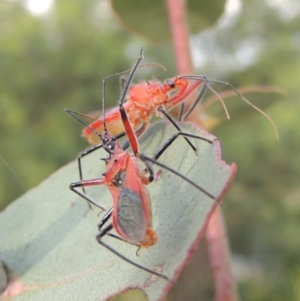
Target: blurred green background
57,59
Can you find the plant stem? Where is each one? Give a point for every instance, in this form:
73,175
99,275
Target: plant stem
180,35
216,235
219,253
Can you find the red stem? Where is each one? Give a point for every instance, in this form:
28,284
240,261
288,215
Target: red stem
180,35
216,235
219,254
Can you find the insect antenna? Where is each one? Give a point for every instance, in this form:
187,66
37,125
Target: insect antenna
208,81
75,115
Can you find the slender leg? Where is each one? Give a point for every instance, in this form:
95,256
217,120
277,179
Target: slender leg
138,133
103,232
130,77
99,239
166,145
124,79
129,131
181,111
105,218
198,99
127,125
208,81
89,151
83,195
169,117
124,83
153,161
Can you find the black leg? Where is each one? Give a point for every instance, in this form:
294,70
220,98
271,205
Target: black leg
124,79
89,151
181,112
105,218
99,239
83,195
138,133
166,145
106,230
198,99
171,119
153,161
130,77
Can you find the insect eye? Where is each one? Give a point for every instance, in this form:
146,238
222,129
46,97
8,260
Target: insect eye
171,84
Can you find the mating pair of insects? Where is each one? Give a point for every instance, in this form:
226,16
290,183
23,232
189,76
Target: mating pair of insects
124,176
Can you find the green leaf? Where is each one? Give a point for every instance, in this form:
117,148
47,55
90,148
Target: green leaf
150,18
3,278
48,241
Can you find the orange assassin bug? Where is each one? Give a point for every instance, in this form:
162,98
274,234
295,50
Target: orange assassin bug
126,181
144,99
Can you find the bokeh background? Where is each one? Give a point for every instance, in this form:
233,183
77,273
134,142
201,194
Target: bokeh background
54,55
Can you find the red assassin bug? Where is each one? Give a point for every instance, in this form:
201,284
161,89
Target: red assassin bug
126,180
110,127
144,99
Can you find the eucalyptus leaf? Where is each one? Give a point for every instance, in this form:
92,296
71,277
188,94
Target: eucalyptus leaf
47,239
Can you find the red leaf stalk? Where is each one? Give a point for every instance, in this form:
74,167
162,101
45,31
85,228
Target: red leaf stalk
180,35
219,253
216,235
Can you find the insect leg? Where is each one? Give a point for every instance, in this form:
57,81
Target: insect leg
171,119
198,99
99,239
155,162
94,182
166,145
